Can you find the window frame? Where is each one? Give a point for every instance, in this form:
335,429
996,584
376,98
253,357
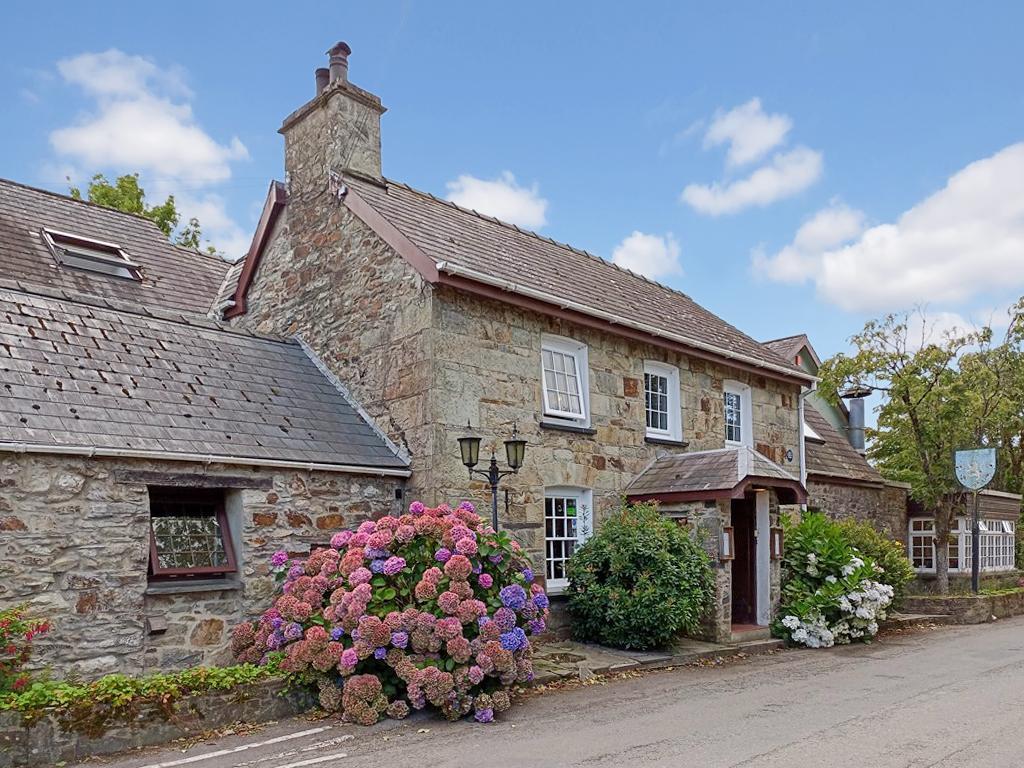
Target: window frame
63,245
674,415
746,410
584,529
205,496
997,545
578,352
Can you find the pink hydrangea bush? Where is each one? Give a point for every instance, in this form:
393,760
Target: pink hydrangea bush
432,607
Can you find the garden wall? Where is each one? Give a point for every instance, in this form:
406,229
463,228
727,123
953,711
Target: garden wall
45,743
75,546
968,609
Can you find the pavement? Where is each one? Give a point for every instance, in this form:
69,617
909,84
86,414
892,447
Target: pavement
941,698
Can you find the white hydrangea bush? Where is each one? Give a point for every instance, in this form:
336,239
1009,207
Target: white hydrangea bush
831,595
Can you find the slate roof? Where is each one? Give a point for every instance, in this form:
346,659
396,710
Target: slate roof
457,236
81,371
453,236
710,474
834,457
172,277
787,347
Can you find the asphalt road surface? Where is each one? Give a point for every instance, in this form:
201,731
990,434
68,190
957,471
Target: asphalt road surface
949,697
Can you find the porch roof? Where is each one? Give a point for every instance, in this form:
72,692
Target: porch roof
725,473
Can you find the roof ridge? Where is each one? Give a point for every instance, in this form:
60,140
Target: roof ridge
175,317
784,338
115,211
539,236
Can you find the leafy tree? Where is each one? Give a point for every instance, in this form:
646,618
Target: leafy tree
125,194
930,408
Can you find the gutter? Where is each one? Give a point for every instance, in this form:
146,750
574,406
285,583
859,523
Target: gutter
122,453
511,287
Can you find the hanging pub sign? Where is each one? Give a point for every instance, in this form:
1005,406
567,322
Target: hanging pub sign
975,467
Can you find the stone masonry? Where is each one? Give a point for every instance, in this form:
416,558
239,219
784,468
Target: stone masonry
884,506
75,547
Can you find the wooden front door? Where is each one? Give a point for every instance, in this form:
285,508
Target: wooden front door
744,565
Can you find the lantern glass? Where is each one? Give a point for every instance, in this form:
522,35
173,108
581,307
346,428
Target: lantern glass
470,448
515,451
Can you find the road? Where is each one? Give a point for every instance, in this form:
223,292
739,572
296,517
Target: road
950,697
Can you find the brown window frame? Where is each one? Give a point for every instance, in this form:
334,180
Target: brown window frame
186,496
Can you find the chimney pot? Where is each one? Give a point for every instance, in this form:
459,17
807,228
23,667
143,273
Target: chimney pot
339,53
855,397
323,77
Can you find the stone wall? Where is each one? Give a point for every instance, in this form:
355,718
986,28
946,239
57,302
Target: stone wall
328,278
75,546
885,506
487,371
45,743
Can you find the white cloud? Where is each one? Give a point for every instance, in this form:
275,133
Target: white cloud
749,132
503,198
650,255
962,241
114,73
800,260
149,134
142,121
787,174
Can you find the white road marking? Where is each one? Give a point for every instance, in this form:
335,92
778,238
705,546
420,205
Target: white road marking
242,748
314,760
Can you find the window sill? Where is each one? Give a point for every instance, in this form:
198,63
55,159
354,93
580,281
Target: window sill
188,587
666,441
567,428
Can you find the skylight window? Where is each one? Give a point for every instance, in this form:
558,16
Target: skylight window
91,255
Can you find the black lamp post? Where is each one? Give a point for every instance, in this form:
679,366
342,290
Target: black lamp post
515,451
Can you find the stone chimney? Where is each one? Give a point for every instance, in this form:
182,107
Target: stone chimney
855,403
337,130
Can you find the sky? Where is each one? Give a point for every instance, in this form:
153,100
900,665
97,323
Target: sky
797,170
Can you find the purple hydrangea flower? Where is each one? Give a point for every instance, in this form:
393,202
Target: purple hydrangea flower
513,640
485,580
496,558
467,506
349,657
536,626
400,639
443,555
276,623
527,574
483,620
373,552
393,565
541,600
275,640
513,596
293,631
377,566
296,571
505,618
279,558
337,633
380,653
484,715
416,508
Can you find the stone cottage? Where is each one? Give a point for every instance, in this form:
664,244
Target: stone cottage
152,459
437,317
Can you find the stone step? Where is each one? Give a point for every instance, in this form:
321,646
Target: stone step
747,635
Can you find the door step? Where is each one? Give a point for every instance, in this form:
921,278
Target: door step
746,633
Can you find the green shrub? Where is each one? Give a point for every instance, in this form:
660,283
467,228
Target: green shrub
888,554
830,591
639,582
94,707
